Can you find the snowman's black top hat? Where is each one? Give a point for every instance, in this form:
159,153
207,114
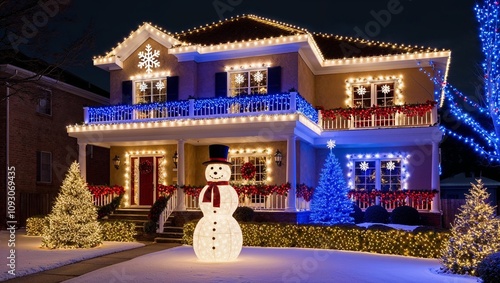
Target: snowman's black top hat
218,154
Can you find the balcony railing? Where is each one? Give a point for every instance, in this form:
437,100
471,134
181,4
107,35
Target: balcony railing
202,108
418,199
273,202
410,115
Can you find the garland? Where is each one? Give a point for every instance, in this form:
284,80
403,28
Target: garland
165,190
101,190
305,192
395,196
410,110
157,208
145,167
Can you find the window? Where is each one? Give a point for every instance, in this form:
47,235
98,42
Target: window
147,91
380,174
248,82
366,95
260,163
44,103
43,167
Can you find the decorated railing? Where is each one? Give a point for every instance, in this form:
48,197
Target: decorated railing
170,207
259,197
418,199
103,195
408,115
202,108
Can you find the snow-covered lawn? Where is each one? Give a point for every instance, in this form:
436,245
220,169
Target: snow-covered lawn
274,265
31,258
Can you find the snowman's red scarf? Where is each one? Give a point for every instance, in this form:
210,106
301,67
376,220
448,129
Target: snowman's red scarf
213,186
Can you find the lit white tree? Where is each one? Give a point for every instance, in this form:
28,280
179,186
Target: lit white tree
73,220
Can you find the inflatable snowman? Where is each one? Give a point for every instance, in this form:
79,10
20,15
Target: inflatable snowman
217,236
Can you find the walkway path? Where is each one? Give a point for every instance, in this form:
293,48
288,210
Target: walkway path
76,269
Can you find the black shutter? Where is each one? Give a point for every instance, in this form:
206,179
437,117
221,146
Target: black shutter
221,84
274,80
173,88
127,92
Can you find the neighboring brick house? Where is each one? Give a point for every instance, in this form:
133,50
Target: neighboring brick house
33,136
255,84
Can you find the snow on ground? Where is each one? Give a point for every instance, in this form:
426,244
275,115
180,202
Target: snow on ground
395,226
31,258
274,265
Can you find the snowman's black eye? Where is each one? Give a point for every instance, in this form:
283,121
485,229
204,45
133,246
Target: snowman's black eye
220,168
211,168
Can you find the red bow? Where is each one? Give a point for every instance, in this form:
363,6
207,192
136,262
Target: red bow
213,186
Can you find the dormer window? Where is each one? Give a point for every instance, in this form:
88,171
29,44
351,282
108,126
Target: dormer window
247,82
148,91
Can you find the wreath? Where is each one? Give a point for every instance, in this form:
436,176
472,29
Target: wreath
248,170
146,167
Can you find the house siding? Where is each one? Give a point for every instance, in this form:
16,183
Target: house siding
306,82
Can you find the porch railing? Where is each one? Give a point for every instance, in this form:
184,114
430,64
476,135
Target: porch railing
421,204
103,200
165,214
272,202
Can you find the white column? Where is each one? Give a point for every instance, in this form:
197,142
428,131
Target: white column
181,177
435,176
291,172
82,159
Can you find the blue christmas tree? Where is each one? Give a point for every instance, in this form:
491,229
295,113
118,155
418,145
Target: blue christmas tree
330,204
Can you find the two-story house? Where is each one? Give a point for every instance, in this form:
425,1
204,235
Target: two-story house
275,94
36,104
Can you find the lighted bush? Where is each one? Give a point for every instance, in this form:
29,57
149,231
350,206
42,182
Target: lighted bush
405,215
489,268
244,214
35,225
342,237
376,214
357,214
118,231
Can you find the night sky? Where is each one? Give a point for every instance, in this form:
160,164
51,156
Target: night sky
434,23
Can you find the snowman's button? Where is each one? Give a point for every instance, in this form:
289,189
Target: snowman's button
214,230
215,223
215,211
213,238
213,248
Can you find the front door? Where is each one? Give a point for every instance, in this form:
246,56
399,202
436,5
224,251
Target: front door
146,180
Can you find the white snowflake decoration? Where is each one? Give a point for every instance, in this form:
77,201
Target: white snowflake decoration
239,79
386,89
361,90
160,85
143,86
258,77
149,59
390,165
330,144
364,166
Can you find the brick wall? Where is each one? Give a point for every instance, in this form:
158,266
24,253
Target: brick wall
31,132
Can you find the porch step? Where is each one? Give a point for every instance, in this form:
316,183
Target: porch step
170,233
139,216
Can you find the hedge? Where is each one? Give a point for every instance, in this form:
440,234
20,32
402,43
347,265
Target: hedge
426,244
112,230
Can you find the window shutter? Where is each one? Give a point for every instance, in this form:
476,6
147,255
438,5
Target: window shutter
127,92
38,166
221,84
274,80
173,88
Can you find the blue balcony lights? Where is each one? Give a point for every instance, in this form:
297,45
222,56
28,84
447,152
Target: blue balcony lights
203,107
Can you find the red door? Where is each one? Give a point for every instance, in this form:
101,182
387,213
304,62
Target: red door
146,180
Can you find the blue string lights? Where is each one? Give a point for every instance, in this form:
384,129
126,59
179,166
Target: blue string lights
487,142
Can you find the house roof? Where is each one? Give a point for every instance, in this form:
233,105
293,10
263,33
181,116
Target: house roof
241,28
